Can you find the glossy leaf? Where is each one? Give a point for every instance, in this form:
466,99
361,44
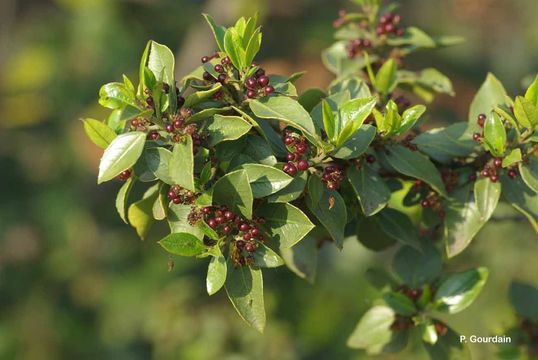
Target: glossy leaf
529,173
216,273
116,95
444,144
183,244
158,161
495,134
524,299
371,190
121,198
182,164
417,268
218,31
328,207
463,220
400,303
373,330
140,213
99,133
199,96
386,79
286,223
490,95
416,165
398,226
292,191
328,120
486,195
357,144
302,258
266,257
523,199
120,155
513,157
226,128
161,63
265,180
410,118
244,286
352,115
179,223
526,112
234,49
460,290
234,191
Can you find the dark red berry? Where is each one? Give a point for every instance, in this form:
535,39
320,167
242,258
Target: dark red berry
290,157
251,94
260,72
169,128
249,247
222,78
498,162
134,123
494,178
228,215
180,101
268,90
212,223
370,159
225,60
331,186
251,83
124,175
166,88
481,120
472,177
425,203
240,244
303,165
512,173
205,59
289,140
176,200
219,68
485,173
301,148
219,219
477,137
207,76
206,210
291,169
254,231
172,194
263,80
247,237
226,229
244,227
150,102
178,124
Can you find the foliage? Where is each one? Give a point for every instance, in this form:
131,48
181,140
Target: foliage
245,170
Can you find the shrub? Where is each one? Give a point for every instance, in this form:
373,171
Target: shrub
251,175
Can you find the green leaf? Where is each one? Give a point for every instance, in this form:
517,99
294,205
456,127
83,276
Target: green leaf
444,144
218,31
410,117
486,195
357,144
429,334
253,47
371,190
416,165
99,133
234,191
121,198
336,60
233,48
513,157
371,234
335,101
179,223
400,303
386,79
244,286
216,273
373,330
183,244
158,161
310,98
463,220
415,37
142,69
286,110
523,199
391,122
207,113
286,223
531,94
524,299
398,225
291,192
352,115
182,164
160,206
328,120
161,63
449,347
490,95
266,257
460,290
265,180
526,112
199,96
529,173
328,207
226,128
495,134
302,258
140,213
417,268
120,155
116,95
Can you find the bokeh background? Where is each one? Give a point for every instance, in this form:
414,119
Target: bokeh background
76,283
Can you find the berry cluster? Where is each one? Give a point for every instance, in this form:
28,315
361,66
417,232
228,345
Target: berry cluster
179,195
124,175
481,120
355,47
297,148
413,294
431,199
401,323
332,177
491,170
440,328
178,128
246,233
224,69
258,85
388,24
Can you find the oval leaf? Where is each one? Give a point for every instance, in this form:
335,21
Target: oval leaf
183,244
99,133
486,195
265,180
459,290
121,154
373,330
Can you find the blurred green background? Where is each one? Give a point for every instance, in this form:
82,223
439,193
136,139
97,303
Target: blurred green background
76,283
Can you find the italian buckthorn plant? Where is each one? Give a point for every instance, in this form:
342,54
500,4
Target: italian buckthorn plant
249,174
